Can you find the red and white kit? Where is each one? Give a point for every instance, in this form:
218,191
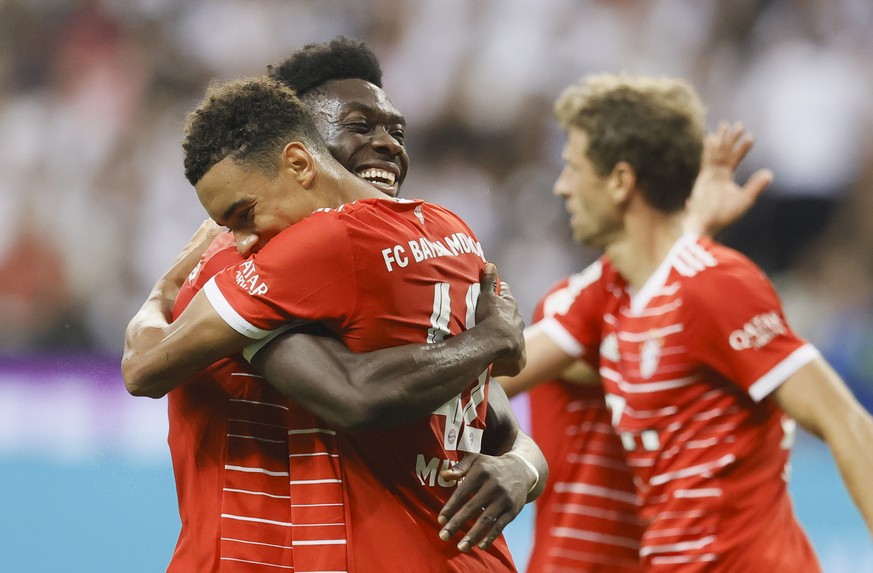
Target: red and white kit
688,363
228,442
377,273
587,517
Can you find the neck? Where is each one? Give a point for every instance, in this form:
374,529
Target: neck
345,187
647,238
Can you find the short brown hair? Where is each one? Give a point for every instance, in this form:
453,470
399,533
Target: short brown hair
656,125
251,120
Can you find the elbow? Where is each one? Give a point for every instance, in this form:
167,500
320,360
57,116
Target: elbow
362,414
138,383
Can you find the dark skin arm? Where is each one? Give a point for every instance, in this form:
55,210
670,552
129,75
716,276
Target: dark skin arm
394,385
494,488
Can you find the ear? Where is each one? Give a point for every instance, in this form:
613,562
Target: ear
297,159
622,182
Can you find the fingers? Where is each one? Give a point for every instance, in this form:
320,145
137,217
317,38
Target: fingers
488,497
488,278
759,181
727,145
207,231
486,529
462,491
489,520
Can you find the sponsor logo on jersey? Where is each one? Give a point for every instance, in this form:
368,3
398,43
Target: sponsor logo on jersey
192,276
758,332
247,277
650,356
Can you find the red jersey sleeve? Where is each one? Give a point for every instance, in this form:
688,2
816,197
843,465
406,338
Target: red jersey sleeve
738,327
573,315
305,273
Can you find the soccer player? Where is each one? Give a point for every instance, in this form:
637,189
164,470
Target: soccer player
240,423
376,272
587,517
703,376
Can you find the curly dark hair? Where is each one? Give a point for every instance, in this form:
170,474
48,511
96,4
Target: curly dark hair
249,119
653,124
308,68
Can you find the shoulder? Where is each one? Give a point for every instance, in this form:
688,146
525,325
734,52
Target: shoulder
588,283
721,268
732,283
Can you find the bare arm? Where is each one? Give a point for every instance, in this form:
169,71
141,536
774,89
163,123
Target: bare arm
717,201
545,360
158,355
394,385
817,398
504,436
493,488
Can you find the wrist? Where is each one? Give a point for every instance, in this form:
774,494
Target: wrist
531,468
491,336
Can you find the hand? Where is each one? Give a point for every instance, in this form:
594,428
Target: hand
191,252
499,312
717,201
581,373
491,491
168,286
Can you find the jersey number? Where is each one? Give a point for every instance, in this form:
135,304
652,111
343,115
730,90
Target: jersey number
459,414
648,438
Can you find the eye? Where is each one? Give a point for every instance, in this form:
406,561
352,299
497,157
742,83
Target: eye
358,126
398,133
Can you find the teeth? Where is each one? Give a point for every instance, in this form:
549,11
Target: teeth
377,175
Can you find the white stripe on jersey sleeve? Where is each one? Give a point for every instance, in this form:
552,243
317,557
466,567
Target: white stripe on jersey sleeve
764,385
556,331
253,348
229,314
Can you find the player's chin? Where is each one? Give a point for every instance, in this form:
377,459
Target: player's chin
391,190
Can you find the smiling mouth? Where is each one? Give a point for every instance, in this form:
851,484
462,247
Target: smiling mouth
378,177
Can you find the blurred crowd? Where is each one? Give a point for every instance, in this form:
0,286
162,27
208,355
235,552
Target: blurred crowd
93,95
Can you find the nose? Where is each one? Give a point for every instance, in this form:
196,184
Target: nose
560,187
245,243
383,142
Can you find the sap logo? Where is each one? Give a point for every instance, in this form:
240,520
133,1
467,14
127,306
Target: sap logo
758,332
247,277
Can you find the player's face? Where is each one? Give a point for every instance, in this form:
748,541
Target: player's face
594,217
255,206
364,132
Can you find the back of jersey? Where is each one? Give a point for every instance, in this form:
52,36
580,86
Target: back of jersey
417,269
378,274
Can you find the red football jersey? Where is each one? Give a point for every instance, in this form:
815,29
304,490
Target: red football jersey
380,273
587,518
229,446
688,363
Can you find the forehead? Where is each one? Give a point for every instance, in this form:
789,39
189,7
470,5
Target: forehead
577,141
344,96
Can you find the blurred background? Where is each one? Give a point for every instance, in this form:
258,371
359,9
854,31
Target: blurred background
94,205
